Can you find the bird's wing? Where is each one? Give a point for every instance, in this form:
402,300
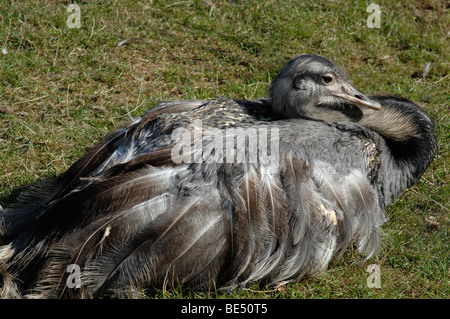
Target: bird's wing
291,219
48,209
41,195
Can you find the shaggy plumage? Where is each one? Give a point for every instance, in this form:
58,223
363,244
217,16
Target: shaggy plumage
220,193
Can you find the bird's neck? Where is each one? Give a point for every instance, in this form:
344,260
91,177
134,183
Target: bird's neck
408,135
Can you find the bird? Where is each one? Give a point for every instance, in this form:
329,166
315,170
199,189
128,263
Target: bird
221,193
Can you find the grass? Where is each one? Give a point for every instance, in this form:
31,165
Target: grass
62,89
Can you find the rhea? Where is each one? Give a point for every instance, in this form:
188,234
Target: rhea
127,215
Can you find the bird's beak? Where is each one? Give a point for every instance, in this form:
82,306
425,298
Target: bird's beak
352,96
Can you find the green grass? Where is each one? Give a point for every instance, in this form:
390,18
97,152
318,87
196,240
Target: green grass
62,89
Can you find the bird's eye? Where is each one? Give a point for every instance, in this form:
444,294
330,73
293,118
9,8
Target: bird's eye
327,78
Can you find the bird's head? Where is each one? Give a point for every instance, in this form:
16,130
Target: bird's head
312,86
